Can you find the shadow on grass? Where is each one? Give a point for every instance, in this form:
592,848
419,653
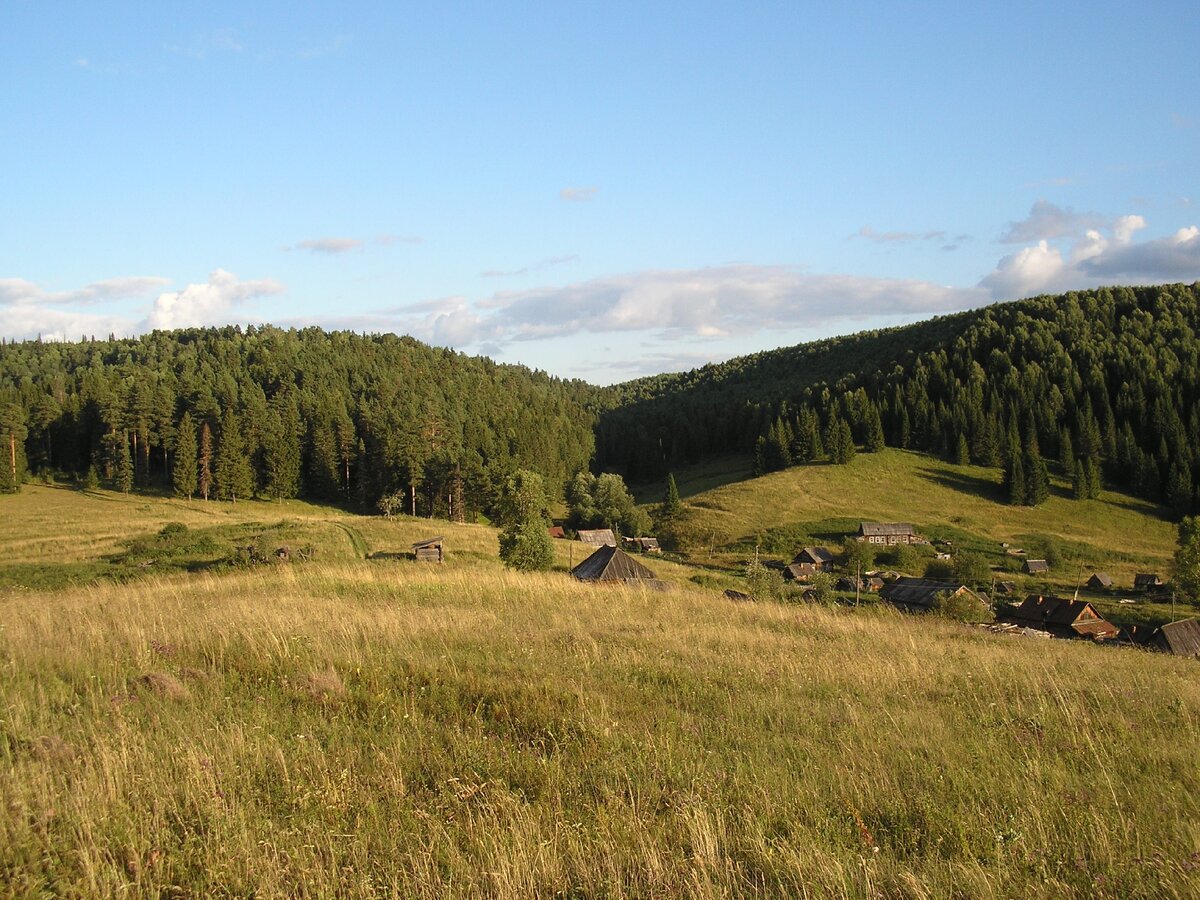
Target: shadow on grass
967,484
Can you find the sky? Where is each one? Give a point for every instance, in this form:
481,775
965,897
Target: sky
598,190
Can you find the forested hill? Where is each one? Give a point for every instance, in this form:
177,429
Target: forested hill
1105,382
278,413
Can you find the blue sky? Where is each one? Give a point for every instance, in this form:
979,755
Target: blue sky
598,190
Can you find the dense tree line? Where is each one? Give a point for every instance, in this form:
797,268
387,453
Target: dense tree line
1103,384
230,413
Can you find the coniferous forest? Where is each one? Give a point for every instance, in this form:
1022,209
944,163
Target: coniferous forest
1102,385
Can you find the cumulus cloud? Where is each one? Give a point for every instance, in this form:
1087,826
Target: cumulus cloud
1047,222
28,310
577,194
1097,258
211,303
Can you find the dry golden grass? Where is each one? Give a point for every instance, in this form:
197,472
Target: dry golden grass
379,728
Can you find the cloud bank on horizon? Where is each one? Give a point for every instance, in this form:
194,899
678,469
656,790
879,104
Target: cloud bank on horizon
696,308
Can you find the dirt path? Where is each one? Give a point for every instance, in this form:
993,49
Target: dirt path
356,539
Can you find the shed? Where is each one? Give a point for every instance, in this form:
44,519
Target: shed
557,532
1145,581
1036,567
887,533
644,544
921,594
612,565
429,550
814,559
598,537
1006,587
1100,581
1180,638
1062,617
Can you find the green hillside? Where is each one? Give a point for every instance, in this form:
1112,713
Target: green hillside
350,726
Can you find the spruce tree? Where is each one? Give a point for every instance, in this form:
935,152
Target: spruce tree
873,441
672,506
1014,469
234,476
1037,479
204,462
125,473
184,473
1179,489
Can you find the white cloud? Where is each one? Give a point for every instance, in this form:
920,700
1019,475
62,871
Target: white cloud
28,310
896,237
1047,222
577,194
539,266
330,245
206,304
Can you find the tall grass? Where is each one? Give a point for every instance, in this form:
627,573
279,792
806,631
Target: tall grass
379,728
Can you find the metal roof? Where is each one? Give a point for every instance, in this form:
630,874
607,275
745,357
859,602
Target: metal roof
877,529
1180,638
611,564
600,537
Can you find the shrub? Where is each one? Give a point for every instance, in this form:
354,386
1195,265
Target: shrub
527,547
172,528
962,607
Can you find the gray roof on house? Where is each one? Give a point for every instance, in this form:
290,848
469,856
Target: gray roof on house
428,542
814,556
611,564
921,592
1101,578
1036,566
599,537
882,529
1180,638
1146,579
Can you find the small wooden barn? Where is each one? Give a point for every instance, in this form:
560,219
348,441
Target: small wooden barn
887,533
1146,581
643,544
921,594
1036,567
1006,587
430,550
612,565
598,537
1179,638
1100,581
813,559
557,532
1061,617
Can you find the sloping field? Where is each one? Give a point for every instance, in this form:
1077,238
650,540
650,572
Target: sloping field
365,727
1115,533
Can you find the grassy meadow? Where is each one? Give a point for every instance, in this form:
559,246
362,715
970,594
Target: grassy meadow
361,725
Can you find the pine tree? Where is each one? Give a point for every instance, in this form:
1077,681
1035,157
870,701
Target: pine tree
204,462
184,474
1066,453
1179,489
13,432
962,455
1079,481
125,472
671,505
1014,469
873,441
281,449
1037,479
234,476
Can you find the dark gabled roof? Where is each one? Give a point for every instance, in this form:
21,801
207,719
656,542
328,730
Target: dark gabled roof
880,529
921,592
1072,617
1143,579
1006,587
1180,638
429,542
599,537
611,564
1102,578
557,531
795,572
814,556
1033,566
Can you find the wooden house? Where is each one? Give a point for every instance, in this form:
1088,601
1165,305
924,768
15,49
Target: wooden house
598,537
813,559
1061,617
921,594
1147,581
643,544
612,565
430,550
887,533
1100,581
557,532
1178,638
1006,587
1036,567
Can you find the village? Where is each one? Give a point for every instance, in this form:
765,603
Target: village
1038,615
